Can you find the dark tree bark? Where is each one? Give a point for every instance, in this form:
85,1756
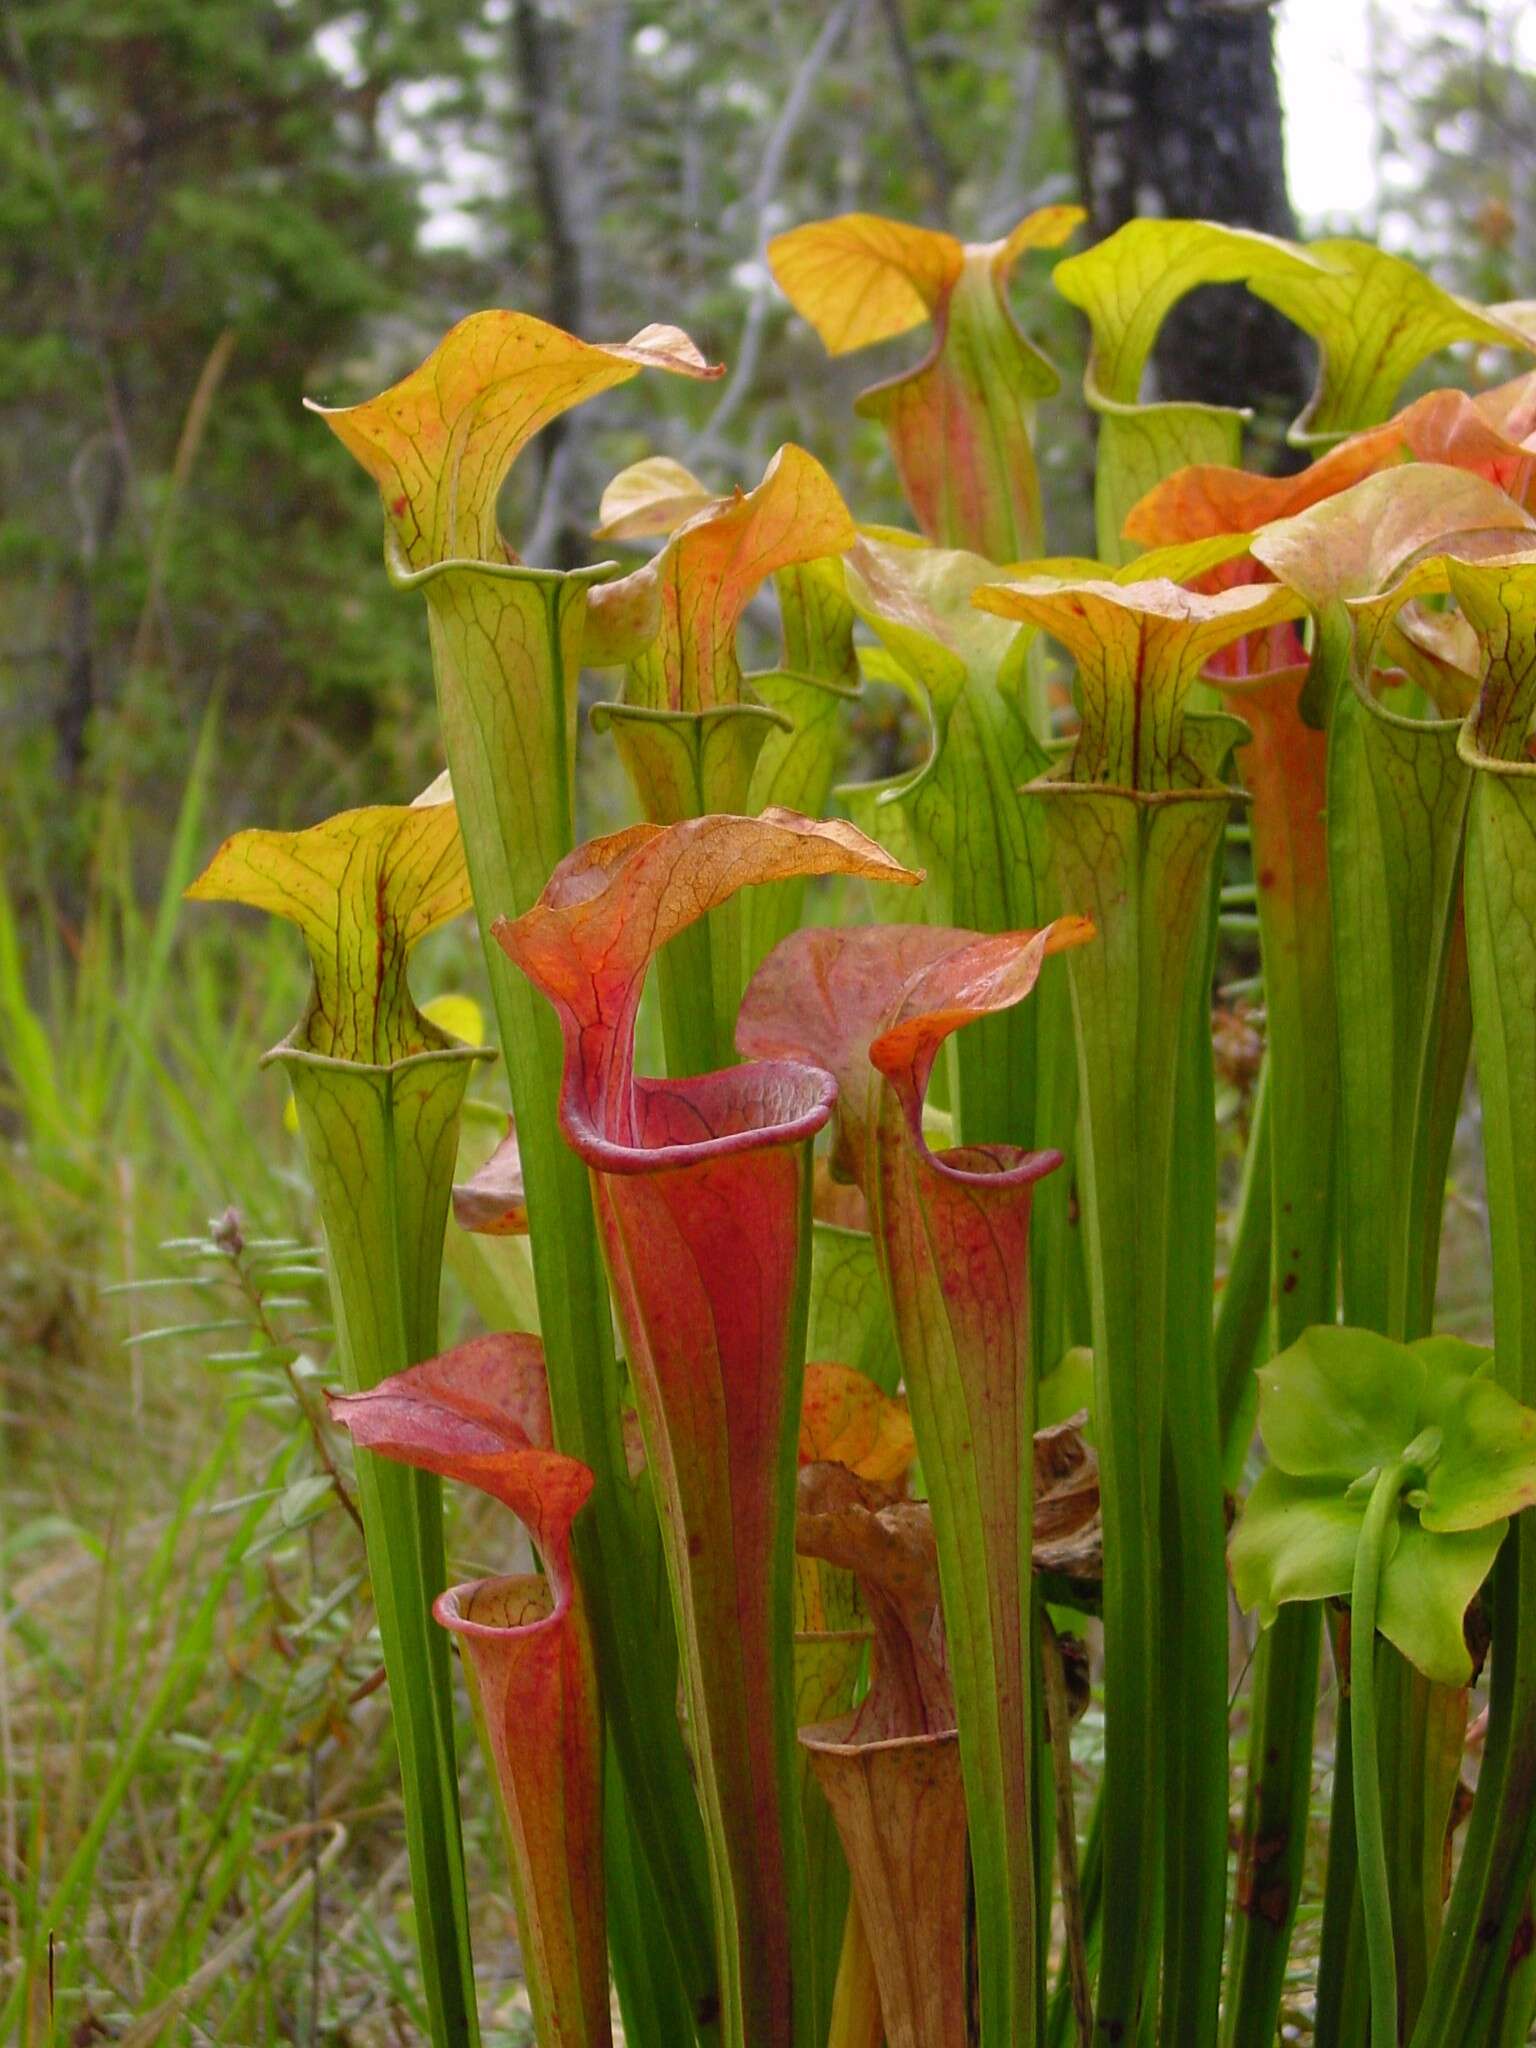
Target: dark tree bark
539,84
1176,112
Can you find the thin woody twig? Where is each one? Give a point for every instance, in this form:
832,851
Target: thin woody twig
940,172
796,104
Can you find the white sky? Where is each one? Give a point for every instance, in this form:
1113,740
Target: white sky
1324,51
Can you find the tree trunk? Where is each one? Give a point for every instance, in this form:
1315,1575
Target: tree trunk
1176,112
555,534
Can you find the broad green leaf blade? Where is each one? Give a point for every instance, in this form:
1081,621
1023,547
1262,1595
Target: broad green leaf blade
1295,1540
1339,1402
1486,1470
1429,1583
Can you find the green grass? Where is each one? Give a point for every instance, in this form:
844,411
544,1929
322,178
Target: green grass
200,1833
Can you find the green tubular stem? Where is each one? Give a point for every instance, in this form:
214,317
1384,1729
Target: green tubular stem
510,740
1518,1996
1075,1947
1243,1306
650,1993
383,1216
1375,1894
1143,869
1272,1848
1483,1919
1484,1916
1343,2000
1288,1222
1397,800
1425,1725
1195,1590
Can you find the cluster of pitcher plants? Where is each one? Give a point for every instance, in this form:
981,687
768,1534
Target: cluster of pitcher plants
781,1708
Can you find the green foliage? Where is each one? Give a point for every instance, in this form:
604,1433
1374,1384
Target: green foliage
184,541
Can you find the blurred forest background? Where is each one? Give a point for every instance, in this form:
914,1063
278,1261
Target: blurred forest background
208,210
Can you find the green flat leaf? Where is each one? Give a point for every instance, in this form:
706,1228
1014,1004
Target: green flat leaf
1487,1466
1428,1585
1452,1358
1336,1409
1295,1540
1339,1402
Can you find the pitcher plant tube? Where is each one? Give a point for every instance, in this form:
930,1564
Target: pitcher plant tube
480,1415
874,1005
961,423
687,725
378,1091
507,644
1306,696
703,1196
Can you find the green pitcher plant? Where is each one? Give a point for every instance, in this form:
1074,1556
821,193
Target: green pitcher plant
969,1497
378,1090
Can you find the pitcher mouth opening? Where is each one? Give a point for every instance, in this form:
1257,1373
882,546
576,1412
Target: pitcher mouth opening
690,1121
